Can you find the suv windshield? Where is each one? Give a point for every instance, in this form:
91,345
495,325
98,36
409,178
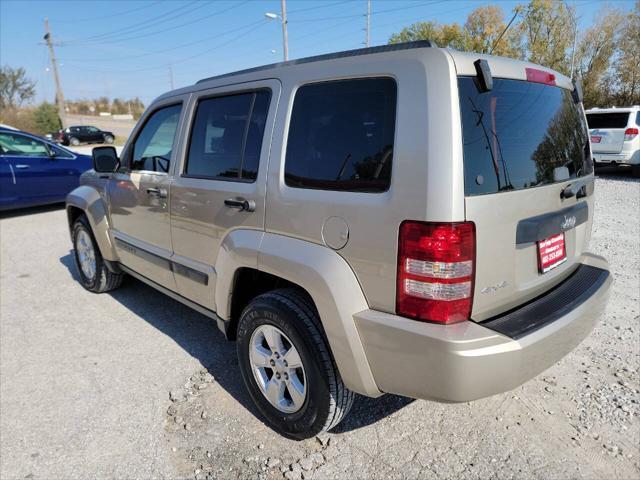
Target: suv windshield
518,133
608,120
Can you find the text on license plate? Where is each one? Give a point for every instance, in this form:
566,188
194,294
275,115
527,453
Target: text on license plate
551,252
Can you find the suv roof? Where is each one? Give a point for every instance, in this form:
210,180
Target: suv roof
330,56
500,66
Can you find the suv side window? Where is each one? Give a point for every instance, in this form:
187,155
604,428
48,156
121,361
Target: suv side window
226,138
152,148
341,135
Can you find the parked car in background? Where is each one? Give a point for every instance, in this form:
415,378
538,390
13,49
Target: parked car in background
372,221
615,138
34,171
78,134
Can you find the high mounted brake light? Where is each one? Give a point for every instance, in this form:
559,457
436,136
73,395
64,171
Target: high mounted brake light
436,269
630,134
540,76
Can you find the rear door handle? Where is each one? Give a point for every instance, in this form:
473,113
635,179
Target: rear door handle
157,192
22,166
241,204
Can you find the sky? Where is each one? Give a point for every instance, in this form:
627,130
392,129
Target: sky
142,48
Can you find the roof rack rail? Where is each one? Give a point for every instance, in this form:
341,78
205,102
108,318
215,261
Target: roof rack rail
331,56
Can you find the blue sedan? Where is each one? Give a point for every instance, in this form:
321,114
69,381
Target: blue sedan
34,171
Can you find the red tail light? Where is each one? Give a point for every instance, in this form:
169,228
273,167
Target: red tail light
540,76
436,270
630,134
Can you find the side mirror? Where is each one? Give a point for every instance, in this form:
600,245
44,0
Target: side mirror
105,159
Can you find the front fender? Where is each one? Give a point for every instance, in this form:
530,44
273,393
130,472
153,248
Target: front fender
88,200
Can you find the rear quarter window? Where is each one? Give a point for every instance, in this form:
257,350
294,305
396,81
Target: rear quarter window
341,135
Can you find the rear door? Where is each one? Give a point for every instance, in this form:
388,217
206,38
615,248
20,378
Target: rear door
523,144
225,159
607,131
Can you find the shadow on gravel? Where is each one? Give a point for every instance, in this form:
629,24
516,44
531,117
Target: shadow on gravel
20,212
199,337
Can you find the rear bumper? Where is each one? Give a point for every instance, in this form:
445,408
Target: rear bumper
623,158
467,361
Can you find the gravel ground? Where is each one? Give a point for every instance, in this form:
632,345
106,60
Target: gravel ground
134,385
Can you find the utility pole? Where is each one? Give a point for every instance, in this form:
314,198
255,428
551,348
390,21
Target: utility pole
285,38
56,76
171,76
368,38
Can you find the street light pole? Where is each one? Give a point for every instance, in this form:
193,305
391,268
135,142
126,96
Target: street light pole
285,38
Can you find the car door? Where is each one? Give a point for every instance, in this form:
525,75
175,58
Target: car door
8,196
29,164
93,134
139,194
224,159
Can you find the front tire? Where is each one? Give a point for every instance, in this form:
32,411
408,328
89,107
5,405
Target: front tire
287,366
635,171
108,139
92,270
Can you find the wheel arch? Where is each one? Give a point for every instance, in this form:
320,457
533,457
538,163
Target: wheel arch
86,200
269,261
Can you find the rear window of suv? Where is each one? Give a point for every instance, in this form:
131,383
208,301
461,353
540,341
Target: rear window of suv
518,133
608,120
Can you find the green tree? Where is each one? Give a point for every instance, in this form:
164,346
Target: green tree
624,76
46,118
547,28
594,54
451,35
483,29
15,87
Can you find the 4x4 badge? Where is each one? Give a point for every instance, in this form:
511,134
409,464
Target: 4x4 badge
494,288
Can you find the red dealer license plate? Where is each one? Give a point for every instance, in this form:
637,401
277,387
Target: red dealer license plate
595,139
551,252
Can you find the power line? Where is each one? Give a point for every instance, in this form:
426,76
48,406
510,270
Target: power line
245,31
168,29
378,12
136,26
102,17
176,47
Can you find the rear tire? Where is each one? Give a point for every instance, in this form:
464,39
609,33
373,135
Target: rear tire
92,270
74,141
326,400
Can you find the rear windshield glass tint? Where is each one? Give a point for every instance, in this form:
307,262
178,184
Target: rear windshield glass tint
519,133
608,120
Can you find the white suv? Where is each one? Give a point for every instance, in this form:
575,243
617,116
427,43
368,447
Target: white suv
614,136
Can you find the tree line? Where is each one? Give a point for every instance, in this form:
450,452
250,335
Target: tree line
606,57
